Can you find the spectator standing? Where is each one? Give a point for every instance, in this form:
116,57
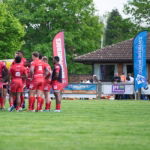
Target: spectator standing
131,78
123,80
123,77
95,79
116,78
81,81
87,81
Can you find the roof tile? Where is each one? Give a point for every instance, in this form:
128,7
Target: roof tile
114,53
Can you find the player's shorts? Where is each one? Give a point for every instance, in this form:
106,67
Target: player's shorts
37,84
16,86
56,86
1,85
47,87
5,85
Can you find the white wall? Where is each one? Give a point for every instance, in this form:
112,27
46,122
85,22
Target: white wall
97,70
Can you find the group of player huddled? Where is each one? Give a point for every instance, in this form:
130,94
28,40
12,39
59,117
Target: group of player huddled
36,76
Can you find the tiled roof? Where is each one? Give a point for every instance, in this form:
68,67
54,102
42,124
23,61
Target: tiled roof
120,52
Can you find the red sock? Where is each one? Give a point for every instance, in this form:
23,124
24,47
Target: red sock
42,102
39,103
48,105
58,106
31,103
1,102
22,101
17,107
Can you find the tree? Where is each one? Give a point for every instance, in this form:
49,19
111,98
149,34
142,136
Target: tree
11,33
43,19
139,10
118,29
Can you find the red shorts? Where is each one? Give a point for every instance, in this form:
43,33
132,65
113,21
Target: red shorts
16,86
47,86
1,85
56,86
37,84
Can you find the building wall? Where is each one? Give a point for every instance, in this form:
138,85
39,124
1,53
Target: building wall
120,68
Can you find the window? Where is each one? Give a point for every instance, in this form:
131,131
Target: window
107,72
130,69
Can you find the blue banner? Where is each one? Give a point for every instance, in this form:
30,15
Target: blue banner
88,87
139,53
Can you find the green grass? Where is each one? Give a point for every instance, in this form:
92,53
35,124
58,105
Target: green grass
82,125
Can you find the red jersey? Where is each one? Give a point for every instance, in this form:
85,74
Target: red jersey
39,69
28,73
57,69
17,71
2,66
29,79
48,68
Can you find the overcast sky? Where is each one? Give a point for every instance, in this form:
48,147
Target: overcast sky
104,6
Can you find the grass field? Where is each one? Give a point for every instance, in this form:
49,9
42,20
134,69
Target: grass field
82,125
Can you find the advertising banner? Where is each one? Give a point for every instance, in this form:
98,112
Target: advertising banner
59,50
118,89
88,87
139,56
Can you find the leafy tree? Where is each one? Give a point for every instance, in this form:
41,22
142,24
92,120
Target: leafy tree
118,29
139,10
11,33
43,19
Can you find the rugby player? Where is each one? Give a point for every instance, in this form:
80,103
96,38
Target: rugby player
2,69
57,82
21,54
38,73
47,85
17,74
23,62
5,76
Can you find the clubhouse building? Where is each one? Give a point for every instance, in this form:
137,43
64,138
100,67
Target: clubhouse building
114,58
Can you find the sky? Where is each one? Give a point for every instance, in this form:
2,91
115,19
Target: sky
104,6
